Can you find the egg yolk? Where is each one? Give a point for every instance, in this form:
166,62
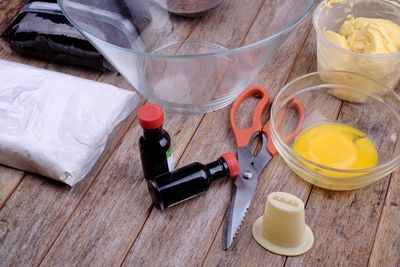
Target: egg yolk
336,146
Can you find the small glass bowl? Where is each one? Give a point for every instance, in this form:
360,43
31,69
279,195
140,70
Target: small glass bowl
322,94
383,68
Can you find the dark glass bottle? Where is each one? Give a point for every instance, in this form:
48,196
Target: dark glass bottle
174,187
155,143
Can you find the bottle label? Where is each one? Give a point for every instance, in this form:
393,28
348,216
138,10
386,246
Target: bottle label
170,159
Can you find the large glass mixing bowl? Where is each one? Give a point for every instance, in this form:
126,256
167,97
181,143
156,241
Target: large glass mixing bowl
190,56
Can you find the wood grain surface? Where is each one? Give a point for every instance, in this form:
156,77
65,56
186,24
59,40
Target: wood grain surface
36,212
113,255
109,220
276,177
8,9
9,180
385,251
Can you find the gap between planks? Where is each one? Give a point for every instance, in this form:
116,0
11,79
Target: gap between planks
152,206
99,76
100,171
187,145
218,221
198,125
286,81
67,70
381,218
288,76
9,194
84,194
87,189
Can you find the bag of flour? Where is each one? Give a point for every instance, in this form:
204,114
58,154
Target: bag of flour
54,124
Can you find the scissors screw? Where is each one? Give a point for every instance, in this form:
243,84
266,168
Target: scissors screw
248,175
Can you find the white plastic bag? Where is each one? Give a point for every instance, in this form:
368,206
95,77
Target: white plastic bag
54,124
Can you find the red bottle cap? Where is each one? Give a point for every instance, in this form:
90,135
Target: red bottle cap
150,116
232,162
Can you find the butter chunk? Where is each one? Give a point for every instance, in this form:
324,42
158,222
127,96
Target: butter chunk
337,39
371,36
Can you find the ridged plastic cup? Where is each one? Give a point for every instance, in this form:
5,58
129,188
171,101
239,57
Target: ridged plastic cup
282,228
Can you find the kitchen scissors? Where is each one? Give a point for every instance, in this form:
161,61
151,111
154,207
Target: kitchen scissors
252,165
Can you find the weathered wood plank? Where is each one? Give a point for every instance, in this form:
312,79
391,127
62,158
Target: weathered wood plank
386,249
183,234
344,223
36,212
387,241
126,204
57,203
9,180
245,251
110,216
117,204
180,134
229,24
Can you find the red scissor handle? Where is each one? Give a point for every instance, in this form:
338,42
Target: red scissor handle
299,108
243,136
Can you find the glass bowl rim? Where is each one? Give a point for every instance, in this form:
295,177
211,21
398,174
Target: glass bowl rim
295,155
320,33
227,52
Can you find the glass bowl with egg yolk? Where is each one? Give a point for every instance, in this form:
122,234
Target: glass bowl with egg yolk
343,145
337,146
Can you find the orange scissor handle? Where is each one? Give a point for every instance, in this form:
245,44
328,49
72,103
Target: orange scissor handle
243,136
295,104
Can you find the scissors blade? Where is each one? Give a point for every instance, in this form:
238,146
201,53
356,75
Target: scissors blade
243,190
240,202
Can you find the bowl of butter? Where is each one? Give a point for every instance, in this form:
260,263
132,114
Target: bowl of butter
359,36
342,145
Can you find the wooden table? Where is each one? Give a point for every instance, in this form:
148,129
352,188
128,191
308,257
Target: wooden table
109,220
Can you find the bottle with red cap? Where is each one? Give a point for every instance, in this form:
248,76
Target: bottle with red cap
155,143
174,187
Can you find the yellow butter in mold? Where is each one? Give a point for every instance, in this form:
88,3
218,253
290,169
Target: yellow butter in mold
336,146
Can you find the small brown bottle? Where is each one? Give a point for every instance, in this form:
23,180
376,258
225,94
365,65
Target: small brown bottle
155,143
177,186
